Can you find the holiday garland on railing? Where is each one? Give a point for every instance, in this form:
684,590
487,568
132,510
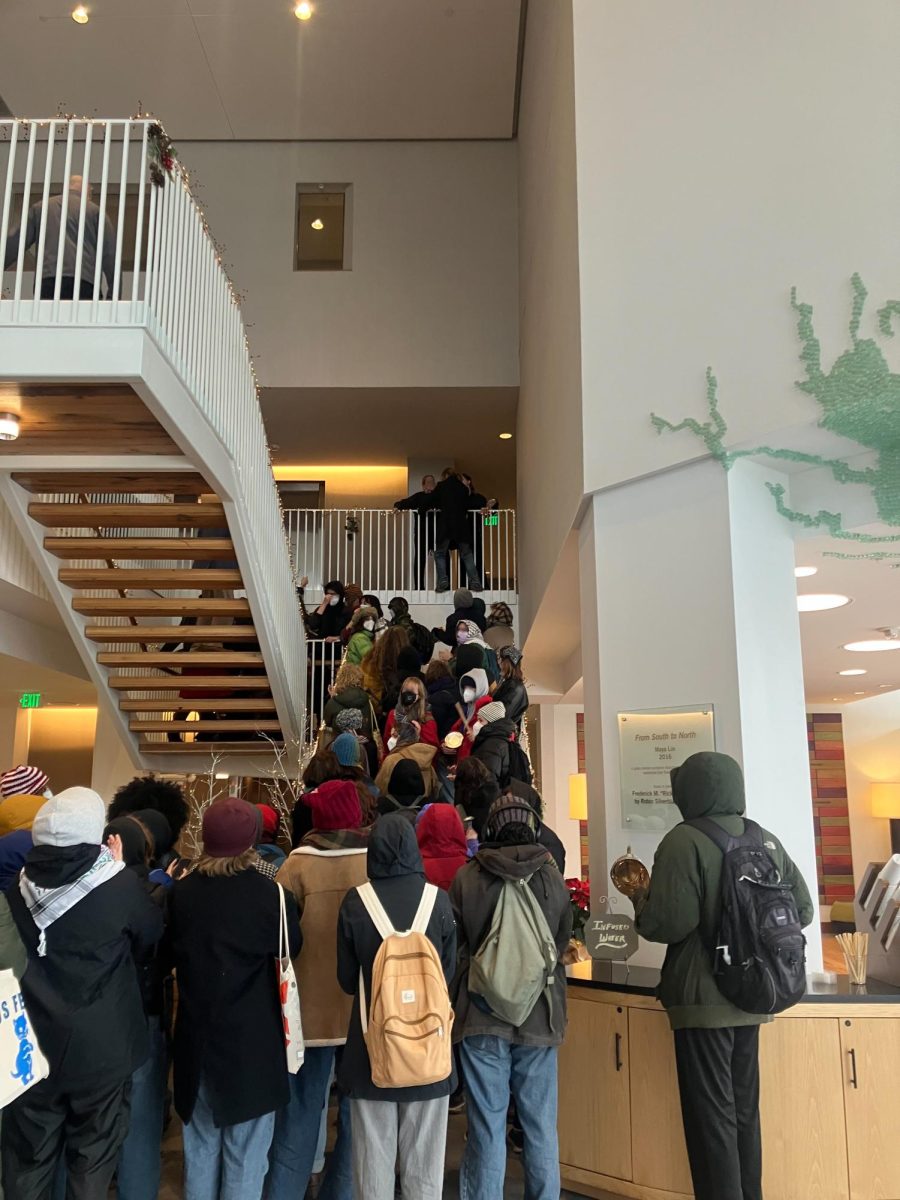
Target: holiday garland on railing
161,154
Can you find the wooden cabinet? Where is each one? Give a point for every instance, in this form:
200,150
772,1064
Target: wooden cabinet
802,1110
871,1074
829,1101
659,1155
595,1111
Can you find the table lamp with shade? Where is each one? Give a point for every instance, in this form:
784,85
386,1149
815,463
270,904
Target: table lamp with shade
578,800
886,804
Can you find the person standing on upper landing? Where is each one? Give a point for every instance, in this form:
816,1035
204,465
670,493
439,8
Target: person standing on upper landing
716,1044
454,524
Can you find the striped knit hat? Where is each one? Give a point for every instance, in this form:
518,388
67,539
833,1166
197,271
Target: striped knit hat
23,781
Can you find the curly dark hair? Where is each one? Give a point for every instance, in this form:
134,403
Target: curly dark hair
148,791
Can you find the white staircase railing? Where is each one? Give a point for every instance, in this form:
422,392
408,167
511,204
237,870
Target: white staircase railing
390,552
100,199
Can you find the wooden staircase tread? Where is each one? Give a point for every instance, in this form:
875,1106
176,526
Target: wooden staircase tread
211,748
170,633
128,516
106,606
199,549
152,725
234,704
179,483
176,658
174,683
126,578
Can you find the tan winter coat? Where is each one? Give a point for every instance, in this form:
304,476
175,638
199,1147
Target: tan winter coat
320,879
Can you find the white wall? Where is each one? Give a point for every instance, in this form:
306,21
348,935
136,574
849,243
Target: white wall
725,152
559,760
431,298
549,419
872,754
17,565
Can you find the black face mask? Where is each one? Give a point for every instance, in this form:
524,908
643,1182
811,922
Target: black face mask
409,698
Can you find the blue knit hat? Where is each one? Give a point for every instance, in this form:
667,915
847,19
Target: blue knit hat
346,749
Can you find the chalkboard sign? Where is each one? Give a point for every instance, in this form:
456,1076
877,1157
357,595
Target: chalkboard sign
610,935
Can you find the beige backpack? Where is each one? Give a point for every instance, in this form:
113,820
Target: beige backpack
409,1022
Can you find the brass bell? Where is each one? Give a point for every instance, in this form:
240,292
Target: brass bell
629,875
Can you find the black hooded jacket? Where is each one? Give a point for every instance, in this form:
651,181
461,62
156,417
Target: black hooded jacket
443,697
396,873
454,522
513,695
491,747
474,894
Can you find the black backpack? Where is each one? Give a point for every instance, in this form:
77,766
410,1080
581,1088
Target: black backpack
759,960
519,766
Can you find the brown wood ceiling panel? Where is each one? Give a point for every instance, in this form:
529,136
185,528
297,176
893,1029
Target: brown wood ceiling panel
88,419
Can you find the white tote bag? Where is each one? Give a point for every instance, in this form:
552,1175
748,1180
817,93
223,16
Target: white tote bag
22,1064
289,996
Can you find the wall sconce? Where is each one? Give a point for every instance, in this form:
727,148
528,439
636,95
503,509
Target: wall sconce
886,804
578,802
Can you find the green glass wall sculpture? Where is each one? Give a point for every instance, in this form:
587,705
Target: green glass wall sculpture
859,399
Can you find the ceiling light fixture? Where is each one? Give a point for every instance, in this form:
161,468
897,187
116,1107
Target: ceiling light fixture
80,15
859,693
9,426
821,601
504,437
317,224
872,646
854,671
805,572
303,11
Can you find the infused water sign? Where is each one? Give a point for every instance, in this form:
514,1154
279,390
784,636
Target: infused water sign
610,935
651,743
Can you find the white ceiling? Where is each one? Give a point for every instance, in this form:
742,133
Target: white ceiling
223,69
874,589
365,426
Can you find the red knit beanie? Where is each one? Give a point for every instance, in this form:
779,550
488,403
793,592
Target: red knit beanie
269,819
230,827
335,805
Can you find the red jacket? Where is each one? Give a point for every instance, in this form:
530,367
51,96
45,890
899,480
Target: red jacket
466,748
427,734
442,843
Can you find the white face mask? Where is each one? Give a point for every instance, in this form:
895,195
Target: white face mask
370,625
391,742
462,635
333,600
477,727
468,695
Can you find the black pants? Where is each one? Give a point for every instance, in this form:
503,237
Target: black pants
88,1127
66,288
718,1078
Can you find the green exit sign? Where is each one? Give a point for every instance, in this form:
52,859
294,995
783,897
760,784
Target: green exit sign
30,700
492,519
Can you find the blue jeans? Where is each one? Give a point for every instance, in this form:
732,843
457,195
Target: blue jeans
297,1135
442,565
138,1172
494,1070
227,1162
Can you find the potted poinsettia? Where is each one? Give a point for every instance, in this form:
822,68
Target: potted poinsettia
580,901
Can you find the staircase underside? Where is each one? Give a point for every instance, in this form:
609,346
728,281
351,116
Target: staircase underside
144,561
157,626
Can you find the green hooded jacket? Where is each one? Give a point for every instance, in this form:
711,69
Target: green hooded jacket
683,908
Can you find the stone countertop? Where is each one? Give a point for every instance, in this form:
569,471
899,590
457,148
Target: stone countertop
643,981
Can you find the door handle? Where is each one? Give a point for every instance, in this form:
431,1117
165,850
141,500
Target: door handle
618,1052
854,1082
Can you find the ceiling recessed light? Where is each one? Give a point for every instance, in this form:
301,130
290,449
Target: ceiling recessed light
805,572
317,224
504,437
859,693
303,11
837,699
853,671
821,601
80,15
885,685
873,647
9,426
